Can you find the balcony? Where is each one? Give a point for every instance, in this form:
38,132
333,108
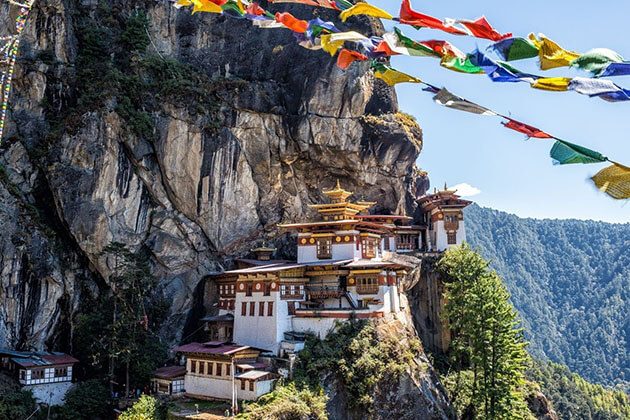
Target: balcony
321,293
367,289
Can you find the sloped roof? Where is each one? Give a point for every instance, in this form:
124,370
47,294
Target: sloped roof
169,372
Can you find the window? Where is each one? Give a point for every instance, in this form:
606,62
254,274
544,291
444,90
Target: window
249,288
324,248
251,385
252,308
202,368
243,384
37,374
269,308
219,369
291,308
228,369
61,372
193,366
267,291
367,285
369,247
244,309
210,368
23,375
451,237
261,309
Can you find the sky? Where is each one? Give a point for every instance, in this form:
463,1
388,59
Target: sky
511,173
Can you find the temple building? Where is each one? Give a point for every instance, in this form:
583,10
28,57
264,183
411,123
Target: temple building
344,269
48,375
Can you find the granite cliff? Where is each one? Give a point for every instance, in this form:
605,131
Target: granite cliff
190,137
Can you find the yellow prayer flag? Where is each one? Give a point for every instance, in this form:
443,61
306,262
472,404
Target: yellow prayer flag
556,84
552,55
332,42
205,6
392,77
364,9
183,3
614,181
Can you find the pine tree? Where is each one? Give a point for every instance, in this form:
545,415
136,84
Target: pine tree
487,337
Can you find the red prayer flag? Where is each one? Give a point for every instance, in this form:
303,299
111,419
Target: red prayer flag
528,130
383,47
291,22
254,9
481,28
413,18
347,57
443,48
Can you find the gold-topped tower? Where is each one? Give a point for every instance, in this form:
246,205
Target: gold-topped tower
339,207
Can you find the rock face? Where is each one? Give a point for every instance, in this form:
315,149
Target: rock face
89,159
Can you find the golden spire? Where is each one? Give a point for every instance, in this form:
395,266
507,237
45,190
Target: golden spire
337,194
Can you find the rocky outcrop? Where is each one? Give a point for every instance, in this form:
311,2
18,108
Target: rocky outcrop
190,181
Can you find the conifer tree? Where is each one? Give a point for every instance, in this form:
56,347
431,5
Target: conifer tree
487,338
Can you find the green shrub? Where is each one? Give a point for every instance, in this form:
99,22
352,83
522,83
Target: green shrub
288,402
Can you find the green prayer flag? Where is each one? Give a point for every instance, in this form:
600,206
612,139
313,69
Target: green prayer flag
462,65
596,60
564,153
512,49
413,47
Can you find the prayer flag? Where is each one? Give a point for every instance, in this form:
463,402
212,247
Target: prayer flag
552,55
528,130
332,42
347,57
399,43
596,60
364,9
254,9
564,153
411,17
291,22
205,6
317,26
392,76
616,69
443,48
556,84
446,98
462,65
329,4
593,87
614,180
499,71
512,49
481,28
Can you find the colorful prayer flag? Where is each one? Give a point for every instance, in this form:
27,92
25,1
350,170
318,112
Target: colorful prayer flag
347,57
481,28
401,44
364,9
291,22
528,130
512,49
615,69
411,17
499,71
462,65
392,76
614,180
446,98
556,84
552,55
332,42
564,153
329,4
596,60
593,87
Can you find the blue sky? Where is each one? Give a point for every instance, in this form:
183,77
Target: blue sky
516,175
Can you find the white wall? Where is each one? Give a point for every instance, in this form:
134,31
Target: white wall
307,253
260,331
441,238
318,326
52,394
209,386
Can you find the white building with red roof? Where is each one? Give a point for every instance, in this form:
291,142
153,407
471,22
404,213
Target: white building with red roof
47,374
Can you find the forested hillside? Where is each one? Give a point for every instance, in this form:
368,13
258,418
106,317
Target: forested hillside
570,281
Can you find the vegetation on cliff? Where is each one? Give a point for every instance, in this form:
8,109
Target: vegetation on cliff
487,355
570,281
288,402
574,398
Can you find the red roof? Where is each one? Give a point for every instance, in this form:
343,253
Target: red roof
169,372
60,359
211,348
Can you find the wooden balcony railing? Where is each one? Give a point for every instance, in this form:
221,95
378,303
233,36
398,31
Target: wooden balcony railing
367,289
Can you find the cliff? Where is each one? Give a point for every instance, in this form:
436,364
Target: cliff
190,137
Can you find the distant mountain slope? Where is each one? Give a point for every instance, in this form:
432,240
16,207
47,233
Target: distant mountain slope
570,280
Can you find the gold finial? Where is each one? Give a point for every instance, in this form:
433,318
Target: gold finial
338,187
445,187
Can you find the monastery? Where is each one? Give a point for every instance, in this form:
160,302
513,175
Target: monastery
346,268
